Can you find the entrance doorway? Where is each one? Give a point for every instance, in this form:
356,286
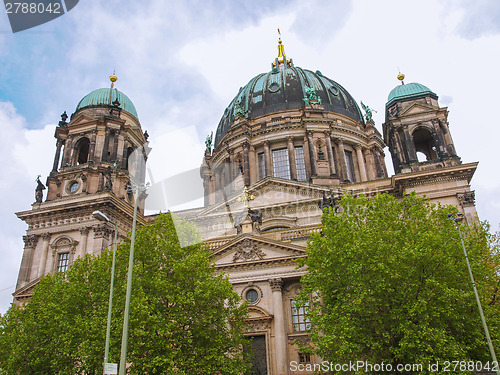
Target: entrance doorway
257,346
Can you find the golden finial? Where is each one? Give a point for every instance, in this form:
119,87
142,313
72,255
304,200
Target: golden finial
113,78
281,60
401,76
281,47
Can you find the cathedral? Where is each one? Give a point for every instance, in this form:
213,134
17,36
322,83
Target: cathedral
290,143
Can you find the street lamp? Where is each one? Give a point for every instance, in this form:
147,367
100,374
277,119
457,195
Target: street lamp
458,219
137,190
102,217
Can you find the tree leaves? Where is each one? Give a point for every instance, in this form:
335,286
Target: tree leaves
393,286
184,319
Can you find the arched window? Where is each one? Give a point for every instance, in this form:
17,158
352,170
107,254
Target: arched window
424,145
82,151
130,150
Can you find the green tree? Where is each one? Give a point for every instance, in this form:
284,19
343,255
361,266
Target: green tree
389,283
184,319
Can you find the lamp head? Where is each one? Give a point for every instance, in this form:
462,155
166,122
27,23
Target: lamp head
100,216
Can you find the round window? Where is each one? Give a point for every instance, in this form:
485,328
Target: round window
334,90
73,186
252,295
274,87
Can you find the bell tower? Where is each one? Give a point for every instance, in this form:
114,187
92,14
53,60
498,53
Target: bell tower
96,160
416,129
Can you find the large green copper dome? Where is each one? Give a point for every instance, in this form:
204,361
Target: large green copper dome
284,89
105,97
409,91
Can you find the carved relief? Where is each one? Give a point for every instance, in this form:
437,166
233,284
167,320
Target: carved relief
467,199
299,340
84,231
259,324
276,284
248,251
30,240
101,230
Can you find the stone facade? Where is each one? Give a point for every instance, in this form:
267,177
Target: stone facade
266,181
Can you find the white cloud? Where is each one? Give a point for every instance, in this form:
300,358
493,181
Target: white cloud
25,154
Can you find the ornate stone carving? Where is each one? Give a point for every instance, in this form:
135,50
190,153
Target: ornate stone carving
248,251
299,340
467,199
39,190
101,230
30,240
259,324
84,231
46,236
276,284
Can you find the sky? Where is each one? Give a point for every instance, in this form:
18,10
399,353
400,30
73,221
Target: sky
182,62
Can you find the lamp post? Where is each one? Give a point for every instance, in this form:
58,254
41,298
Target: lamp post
137,190
102,217
457,219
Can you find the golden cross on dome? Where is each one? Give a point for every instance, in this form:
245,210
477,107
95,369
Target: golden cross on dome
247,197
281,60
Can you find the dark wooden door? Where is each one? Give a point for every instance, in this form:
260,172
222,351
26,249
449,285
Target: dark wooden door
259,355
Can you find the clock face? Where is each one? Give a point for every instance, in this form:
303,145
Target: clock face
73,187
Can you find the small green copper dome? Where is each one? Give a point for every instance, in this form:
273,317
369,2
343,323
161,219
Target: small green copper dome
409,91
105,97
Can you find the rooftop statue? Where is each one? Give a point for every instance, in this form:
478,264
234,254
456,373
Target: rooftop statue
368,112
208,143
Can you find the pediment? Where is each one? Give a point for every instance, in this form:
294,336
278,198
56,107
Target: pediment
269,191
27,290
250,249
417,108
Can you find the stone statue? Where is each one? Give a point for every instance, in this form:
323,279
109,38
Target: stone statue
64,117
311,97
39,190
368,112
329,202
208,143
108,184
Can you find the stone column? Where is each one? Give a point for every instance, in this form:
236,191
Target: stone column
361,162
372,169
254,165
115,147
68,151
106,145
267,157
341,157
93,138
83,244
410,147
246,163
57,155
231,173
312,153
291,159
30,242
378,163
280,339
211,181
329,152
119,151
45,251
126,145
307,160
